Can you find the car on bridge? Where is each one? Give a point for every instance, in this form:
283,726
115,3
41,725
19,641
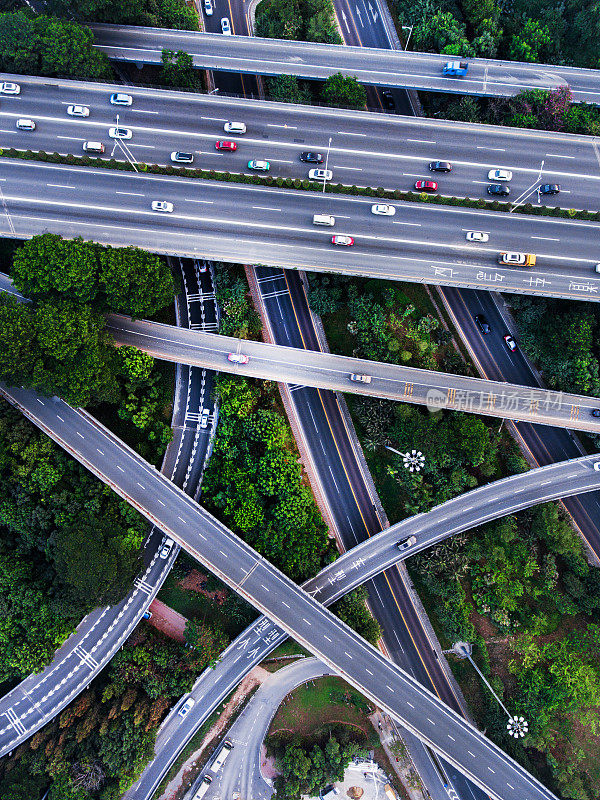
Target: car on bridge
311,158
498,189
78,111
9,88
517,259
426,186
259,166
342,240
477,236
320,174
500,175
383,209
550,188
120,133
121,99
440,166
162,205
222,144
238,358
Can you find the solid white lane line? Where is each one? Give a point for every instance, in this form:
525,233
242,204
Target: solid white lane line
80,434
121,468
132,194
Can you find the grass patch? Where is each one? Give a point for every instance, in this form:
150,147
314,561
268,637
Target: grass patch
321,703
284,655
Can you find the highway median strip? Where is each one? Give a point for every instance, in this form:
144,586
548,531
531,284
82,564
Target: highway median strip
299,184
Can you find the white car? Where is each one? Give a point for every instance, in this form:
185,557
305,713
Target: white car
78,111
225,27
500,175
25,124
204,418
320,174
208,8
383,209
120,133
235,127
10,88
162,205
120,99
477,236
165,550
185,708
597,466
238,358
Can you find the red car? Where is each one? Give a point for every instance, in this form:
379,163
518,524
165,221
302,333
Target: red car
224,145
345,241
426,186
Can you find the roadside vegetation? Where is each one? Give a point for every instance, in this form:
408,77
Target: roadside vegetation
519,588
96,748
55,48
300,20
150,13
522,30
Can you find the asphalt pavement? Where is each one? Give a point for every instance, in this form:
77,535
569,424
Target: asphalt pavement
245,223
294,610
380,67
301,367
367,149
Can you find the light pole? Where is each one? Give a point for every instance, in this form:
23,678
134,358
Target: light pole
413,460
326,162
214,91
126,152
517,726
524,195
410,29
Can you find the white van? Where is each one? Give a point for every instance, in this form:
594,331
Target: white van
324,219
93,147
356,376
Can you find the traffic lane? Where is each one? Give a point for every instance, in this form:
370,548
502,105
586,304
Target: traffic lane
544,444
41,696
385,67
392,171
465,512
286,122
153,141
568,246
307,621
296,365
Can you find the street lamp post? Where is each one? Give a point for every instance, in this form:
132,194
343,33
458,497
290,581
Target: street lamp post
517,726
524,195
326,163
413,460
410,29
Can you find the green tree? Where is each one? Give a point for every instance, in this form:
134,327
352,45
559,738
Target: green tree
178,70
48,46
344,91
287,89
441,32
530,42
135,282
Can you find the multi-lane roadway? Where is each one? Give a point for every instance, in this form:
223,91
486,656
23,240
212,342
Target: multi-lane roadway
378,67
295,610
245,223
328,371
385,150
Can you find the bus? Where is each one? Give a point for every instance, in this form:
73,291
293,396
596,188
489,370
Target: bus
221,756
203,788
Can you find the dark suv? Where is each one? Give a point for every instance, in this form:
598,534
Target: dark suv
482,324
312,158
440,166
498,189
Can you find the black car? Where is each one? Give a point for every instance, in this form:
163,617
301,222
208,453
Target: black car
440,166
482,324
498,189
596,412
550,188
388,99
312,158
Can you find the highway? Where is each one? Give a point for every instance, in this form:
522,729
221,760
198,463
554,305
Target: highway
244,223
328,371
367,149
41,696
378,67
295,610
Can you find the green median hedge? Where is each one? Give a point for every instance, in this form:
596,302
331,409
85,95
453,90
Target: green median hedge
301,185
